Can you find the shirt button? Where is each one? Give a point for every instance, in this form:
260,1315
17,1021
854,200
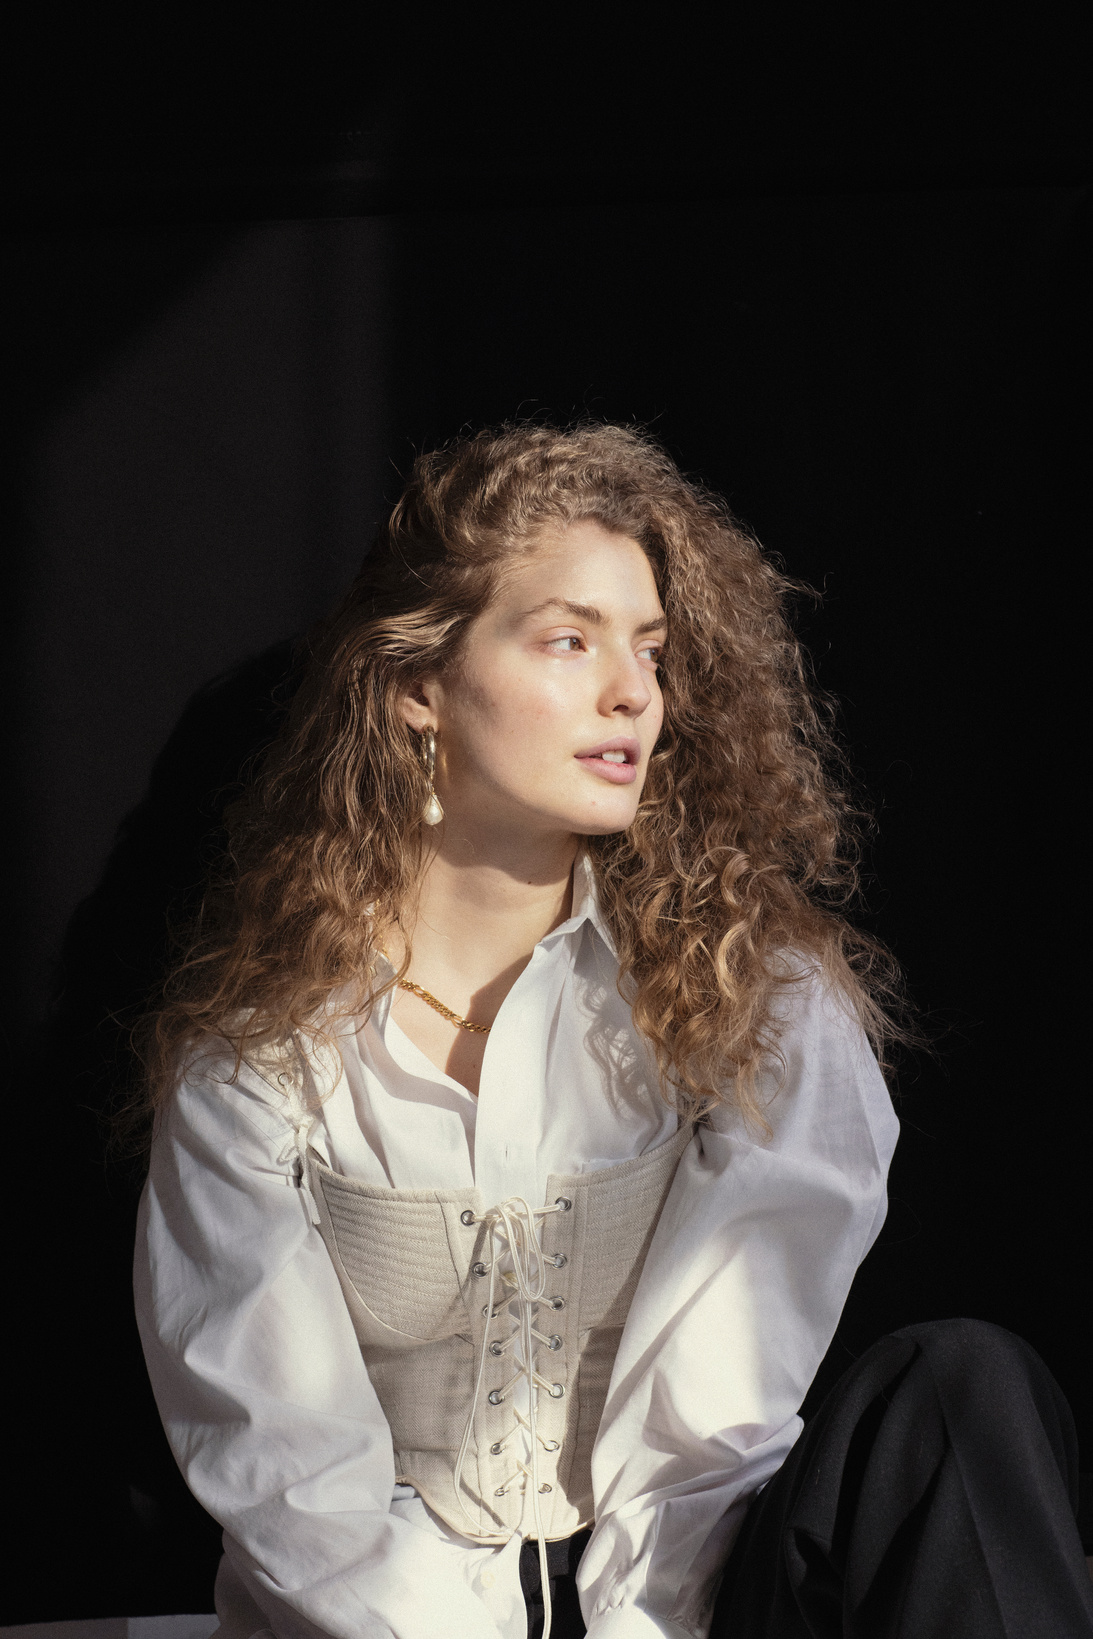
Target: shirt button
487,1579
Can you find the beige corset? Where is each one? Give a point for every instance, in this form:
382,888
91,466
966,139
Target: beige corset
489,1402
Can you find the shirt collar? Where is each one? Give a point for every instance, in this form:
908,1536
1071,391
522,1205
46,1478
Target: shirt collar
586,904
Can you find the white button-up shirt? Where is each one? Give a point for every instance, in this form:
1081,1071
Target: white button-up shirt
261,1383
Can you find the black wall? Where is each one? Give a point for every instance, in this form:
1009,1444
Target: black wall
861,320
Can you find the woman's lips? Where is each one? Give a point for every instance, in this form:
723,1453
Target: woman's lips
616,761
616,773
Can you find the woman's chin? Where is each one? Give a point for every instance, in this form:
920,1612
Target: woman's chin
527,821
605,823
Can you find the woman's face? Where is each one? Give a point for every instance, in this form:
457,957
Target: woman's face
549,722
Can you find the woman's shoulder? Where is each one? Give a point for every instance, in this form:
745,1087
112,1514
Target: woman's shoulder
820,1074
220,1089
809,1003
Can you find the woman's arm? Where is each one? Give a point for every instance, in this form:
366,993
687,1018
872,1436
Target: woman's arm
262,1388
739,1298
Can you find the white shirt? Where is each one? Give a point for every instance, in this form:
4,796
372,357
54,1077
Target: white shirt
261,1383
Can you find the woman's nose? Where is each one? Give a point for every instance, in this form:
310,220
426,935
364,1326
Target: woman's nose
628,689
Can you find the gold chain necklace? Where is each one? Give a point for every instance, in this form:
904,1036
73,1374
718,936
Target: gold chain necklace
427,996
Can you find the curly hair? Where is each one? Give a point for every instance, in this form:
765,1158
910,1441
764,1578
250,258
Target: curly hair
732,880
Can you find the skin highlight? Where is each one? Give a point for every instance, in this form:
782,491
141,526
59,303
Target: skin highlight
561,662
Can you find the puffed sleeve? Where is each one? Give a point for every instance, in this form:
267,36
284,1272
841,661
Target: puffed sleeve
263,1391
739,1298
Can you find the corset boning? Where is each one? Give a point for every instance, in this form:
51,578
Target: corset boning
489,1334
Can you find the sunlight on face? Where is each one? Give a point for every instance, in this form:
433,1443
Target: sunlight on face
551,719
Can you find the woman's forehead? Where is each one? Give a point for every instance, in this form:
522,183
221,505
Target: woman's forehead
580,564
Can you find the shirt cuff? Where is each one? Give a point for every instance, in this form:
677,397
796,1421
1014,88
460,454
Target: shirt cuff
628,1622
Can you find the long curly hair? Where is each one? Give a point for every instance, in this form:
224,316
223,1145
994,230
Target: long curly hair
734,877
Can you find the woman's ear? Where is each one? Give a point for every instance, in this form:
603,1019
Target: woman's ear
418,705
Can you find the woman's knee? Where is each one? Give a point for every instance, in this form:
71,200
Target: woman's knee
942,1338
968,1354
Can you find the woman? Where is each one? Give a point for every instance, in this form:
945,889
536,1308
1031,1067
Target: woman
519,1132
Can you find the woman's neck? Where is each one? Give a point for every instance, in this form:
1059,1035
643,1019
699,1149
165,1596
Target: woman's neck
480,913
482,909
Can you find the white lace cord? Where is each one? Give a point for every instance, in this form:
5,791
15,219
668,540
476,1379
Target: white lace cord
514,1221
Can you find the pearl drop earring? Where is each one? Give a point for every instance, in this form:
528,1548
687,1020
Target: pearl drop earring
432,813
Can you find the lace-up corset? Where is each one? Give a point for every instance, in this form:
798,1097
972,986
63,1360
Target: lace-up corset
489,1335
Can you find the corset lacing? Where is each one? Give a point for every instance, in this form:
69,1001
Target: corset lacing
513,1230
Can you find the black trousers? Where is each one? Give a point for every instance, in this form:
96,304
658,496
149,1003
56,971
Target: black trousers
933,1495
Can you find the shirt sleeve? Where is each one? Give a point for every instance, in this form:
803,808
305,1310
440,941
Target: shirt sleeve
262,1387
739,1298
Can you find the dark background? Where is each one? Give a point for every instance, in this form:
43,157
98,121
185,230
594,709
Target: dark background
838,262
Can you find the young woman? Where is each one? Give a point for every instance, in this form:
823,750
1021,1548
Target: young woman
519,1132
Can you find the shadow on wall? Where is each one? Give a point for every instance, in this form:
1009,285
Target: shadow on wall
197,462
100,1482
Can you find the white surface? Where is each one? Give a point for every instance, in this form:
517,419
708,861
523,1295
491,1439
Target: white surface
261,1383
118,1627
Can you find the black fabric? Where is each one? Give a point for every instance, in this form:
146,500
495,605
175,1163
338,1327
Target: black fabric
932,1495
562,1561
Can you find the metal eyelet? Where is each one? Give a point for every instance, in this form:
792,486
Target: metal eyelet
492,1314
546,1488
565,1204
556,1391
556,1303
502,1491
555,1342
559,1260
553,1445
496,1449
497,1348
467,1218
495,1397
480,1268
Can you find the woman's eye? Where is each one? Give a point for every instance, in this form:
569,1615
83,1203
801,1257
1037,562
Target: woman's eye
557,644
653,652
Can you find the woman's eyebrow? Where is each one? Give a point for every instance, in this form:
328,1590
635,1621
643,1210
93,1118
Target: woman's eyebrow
593,616
579,611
